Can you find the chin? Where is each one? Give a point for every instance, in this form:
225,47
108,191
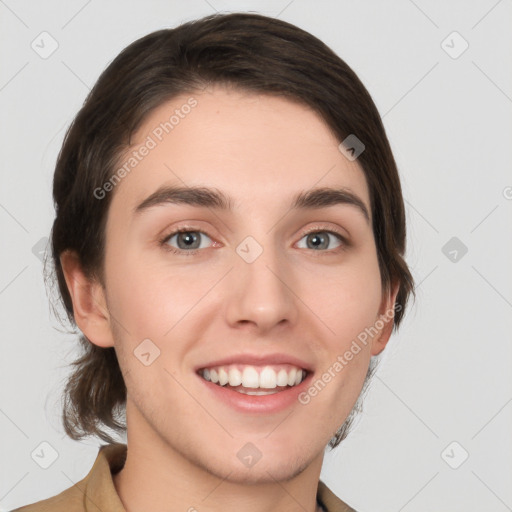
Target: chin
261,469
267,474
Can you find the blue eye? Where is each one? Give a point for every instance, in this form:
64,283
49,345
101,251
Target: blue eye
320,239
188,241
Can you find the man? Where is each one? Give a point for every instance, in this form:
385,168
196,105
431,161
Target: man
224,243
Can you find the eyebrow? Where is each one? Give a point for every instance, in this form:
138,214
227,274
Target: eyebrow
213,198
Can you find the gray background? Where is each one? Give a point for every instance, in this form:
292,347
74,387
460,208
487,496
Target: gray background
446,375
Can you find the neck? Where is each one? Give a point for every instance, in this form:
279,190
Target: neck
173,481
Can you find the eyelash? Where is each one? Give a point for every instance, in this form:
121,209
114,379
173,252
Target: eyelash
163,242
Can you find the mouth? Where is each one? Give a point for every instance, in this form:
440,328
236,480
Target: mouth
255,380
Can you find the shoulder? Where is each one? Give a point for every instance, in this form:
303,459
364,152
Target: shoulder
95,489
70,500
329,500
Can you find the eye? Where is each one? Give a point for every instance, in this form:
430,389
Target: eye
188,241
320,239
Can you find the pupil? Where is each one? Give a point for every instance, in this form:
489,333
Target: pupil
318,238
188,238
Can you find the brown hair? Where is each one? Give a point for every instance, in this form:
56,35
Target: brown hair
250,52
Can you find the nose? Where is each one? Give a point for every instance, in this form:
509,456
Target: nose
261,294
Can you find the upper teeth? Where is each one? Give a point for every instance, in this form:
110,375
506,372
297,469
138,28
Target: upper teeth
255,376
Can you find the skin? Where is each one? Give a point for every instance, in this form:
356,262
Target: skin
295,299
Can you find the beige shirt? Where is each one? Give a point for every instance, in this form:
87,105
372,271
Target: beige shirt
97,492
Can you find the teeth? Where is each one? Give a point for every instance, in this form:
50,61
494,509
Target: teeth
282,378
235,377
255,377
250,378
223,376
268,378
259,392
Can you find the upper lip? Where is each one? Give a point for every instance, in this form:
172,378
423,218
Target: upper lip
257,360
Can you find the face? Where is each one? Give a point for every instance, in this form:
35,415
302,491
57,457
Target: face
262,283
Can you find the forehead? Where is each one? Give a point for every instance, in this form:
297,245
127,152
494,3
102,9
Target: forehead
253,147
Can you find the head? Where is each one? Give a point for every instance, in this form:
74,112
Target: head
255,108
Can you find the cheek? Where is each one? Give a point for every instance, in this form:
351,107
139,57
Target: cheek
150,298
347,303
347,300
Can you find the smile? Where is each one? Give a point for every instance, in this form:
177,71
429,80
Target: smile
255,380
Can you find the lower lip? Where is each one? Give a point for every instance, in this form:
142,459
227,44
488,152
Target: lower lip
274,402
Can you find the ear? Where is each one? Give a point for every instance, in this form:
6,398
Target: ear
385,320
89,302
